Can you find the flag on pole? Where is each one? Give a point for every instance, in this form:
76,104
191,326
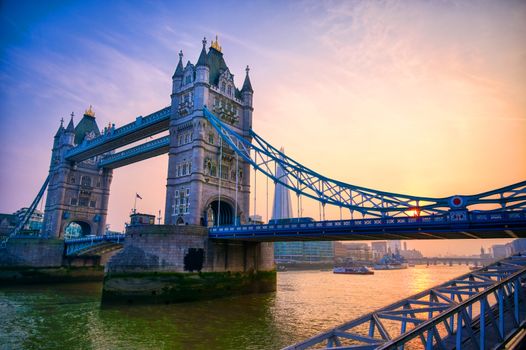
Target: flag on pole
137,196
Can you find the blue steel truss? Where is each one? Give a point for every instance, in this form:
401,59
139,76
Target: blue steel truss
141,152
483,309
28,213
306,182
83,245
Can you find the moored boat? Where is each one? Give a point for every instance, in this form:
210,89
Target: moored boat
391,262
353,270
400,266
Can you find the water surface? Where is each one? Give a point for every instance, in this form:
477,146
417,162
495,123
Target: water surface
306,302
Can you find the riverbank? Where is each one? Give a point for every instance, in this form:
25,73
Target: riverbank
174,287
15,275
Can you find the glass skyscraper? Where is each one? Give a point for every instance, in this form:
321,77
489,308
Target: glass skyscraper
295,251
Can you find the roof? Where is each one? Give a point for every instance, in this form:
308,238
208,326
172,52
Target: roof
85,126
217,65
203,59
246,84
71,127
59,131
179,69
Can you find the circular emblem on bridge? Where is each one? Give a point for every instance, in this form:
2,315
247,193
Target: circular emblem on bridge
456,201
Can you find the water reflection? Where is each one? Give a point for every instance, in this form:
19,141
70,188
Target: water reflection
306,303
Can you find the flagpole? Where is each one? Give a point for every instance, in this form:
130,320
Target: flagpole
135,204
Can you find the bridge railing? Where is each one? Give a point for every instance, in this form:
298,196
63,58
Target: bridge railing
482,309
425,221
77,245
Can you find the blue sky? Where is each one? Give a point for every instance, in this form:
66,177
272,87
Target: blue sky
418,97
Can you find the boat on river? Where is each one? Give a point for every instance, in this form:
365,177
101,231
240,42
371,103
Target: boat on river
391,262
353,270
399,266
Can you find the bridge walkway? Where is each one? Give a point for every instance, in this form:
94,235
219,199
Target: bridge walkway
483,309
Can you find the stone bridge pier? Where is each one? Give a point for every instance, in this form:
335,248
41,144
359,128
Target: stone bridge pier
170,263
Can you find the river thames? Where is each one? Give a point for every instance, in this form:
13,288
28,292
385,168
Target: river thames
69,316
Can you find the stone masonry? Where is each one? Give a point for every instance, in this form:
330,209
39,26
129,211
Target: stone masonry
199,163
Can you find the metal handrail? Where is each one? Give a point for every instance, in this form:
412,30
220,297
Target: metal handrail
491,279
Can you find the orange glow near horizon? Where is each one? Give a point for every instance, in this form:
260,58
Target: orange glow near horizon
419,98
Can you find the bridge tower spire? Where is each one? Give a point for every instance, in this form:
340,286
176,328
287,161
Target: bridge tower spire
202,170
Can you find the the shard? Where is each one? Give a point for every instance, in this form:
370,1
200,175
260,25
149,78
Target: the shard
282,207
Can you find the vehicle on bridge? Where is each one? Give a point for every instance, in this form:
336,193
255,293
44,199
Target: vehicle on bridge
290,221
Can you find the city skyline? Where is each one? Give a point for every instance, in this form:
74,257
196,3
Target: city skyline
425,99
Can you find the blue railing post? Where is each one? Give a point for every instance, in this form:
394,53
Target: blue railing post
482,323
459,332
516,300
501,312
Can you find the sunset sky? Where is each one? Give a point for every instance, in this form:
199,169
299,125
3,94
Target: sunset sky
418,97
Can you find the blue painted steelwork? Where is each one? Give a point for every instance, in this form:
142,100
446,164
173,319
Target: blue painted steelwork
306,182
483,309
79,246
28,213
132,155
139,129
475,225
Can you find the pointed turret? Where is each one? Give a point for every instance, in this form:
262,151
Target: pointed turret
69,132
179,69
177,78
70,128
202,69
247,86
60,130
203,58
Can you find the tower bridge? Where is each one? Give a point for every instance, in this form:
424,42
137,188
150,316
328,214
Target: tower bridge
212,149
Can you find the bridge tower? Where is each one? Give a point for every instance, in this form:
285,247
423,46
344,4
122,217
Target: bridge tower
77,192
203,172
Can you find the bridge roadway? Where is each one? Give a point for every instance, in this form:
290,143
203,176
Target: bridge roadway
511,224
479,225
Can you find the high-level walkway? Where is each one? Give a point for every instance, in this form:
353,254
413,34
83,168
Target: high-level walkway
483,309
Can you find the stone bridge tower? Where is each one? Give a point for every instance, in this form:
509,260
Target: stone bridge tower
77,192
202,175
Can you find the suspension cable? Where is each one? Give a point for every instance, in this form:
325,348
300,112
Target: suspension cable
219,182
237,172
255,183
267,197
